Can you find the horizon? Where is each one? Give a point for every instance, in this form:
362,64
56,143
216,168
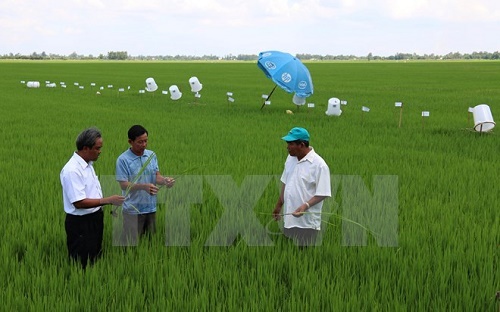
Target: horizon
235,56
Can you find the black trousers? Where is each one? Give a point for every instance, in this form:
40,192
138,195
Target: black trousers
84,237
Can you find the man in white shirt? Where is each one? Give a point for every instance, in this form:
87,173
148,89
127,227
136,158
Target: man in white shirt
83,201
305,184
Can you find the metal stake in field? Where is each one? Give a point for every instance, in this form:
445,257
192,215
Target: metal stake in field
400,104
197,96
230,98
470,112
310,105
364,110
424,115
266,99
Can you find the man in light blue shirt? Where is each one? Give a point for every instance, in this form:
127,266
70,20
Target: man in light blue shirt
138,173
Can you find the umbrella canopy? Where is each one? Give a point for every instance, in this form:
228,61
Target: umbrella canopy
286,71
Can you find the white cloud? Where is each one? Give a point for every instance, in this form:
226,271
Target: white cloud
242,26
442,10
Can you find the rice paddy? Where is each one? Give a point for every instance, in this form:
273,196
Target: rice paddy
413,223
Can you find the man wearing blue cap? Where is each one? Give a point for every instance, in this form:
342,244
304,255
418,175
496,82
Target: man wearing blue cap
305,184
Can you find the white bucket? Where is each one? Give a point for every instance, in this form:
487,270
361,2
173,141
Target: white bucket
483,120
297,100
175,94
196,86
333,108
33,84
151,85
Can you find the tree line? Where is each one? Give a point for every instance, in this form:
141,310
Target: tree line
123,55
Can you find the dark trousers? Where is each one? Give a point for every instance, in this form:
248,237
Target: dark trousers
302,237
84,237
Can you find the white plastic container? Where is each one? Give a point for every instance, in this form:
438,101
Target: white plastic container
333,108
483,120
175,93
151,85
196,86
33,84
297,100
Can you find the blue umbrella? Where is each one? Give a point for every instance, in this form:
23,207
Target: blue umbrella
286,71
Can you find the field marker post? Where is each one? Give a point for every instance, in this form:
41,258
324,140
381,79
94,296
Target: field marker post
400,116
229,98
310,105
364,110
424,114
266,101
469,113
400,104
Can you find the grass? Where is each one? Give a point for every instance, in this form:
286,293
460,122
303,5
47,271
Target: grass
447,250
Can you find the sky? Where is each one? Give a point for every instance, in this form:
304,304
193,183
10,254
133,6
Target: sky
233,27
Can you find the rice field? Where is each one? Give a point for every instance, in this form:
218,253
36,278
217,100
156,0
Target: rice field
413,223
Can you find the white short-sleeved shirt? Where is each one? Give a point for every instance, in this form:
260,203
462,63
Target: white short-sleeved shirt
79,181
303,180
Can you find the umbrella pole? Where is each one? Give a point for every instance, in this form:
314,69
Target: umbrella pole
268,97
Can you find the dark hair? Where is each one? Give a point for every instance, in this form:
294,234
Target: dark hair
306,143
136,131
87,137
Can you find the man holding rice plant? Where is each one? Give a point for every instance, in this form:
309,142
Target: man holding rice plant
138,173
83,201
305,184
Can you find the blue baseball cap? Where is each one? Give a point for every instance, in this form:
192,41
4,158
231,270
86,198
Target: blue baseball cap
295,134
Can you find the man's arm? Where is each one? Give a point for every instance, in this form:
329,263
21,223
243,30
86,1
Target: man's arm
307,204
86,203
148,187
279,203
167,181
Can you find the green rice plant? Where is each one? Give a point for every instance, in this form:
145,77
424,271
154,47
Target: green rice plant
448,222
